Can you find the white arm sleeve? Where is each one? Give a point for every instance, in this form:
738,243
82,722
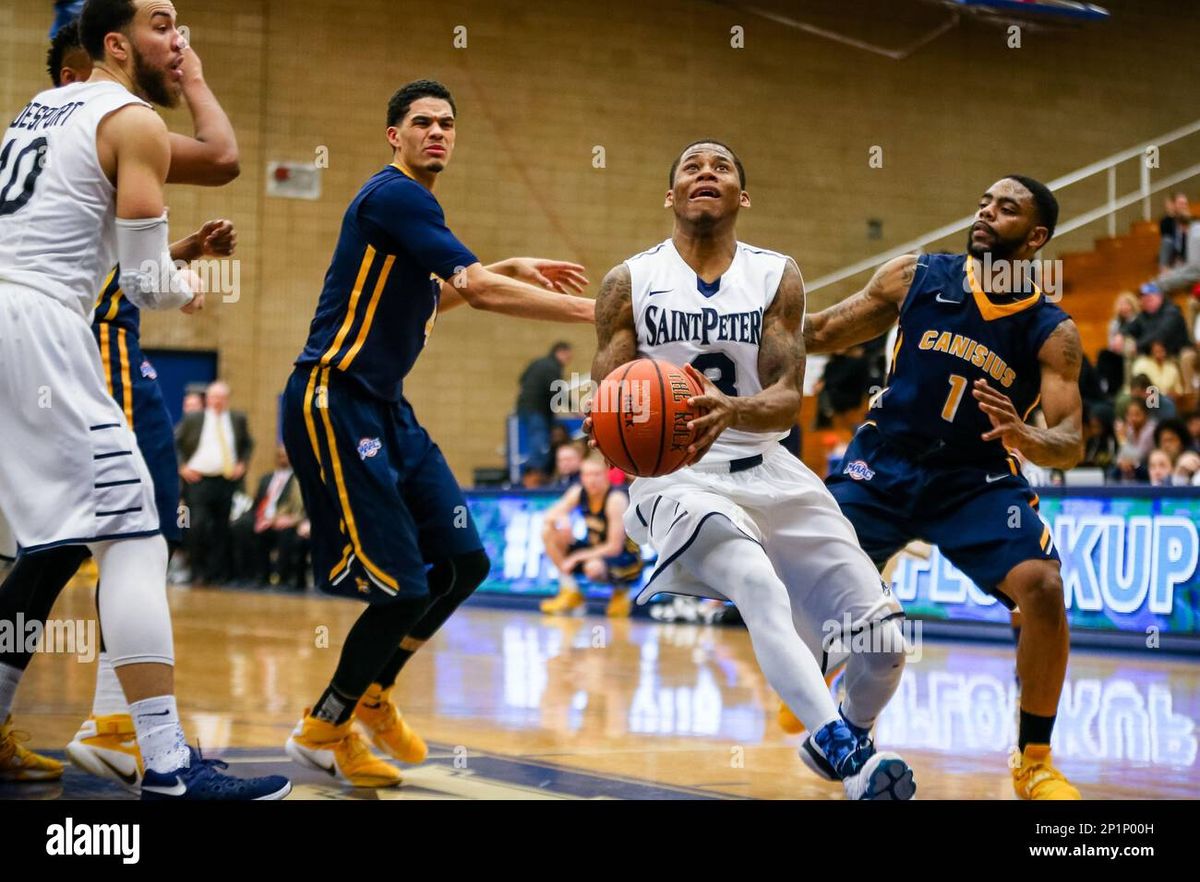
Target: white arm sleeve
148,275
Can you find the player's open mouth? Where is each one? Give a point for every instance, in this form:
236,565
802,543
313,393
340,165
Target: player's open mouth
706,193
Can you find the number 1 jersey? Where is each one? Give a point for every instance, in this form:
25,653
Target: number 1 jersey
716,327
952,334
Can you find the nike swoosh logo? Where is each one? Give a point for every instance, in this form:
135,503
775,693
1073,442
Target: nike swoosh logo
939,299
992,479
178,790
162,714
129,779
663,291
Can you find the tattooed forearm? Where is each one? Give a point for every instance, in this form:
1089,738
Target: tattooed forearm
781,351
616,337
865,315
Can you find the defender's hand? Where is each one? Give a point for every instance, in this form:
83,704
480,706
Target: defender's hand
217,238
554,275
1007,424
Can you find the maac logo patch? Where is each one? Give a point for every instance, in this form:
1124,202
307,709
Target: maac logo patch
369,447
148,370
859,471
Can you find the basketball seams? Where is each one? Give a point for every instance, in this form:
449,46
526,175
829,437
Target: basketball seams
662,414
621,423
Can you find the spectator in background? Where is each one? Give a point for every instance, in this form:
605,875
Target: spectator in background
1160,319
193,402
558,437
1100,444
1170,437
843,386
1092,389
1187,468
535,411
567,461
1159,406
1136,436
1187,273
1160,369
1173,229
270,540
214,447
1111,362
1192,441
1159,469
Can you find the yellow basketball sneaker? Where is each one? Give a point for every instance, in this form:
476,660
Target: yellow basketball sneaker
620,605
106,746
387,728
18,763
1035,778
339,752
567,602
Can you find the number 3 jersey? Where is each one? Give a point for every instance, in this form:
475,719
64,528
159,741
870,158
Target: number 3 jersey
952,334
57,207
715,327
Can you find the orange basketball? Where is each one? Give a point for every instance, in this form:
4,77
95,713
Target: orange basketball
640,414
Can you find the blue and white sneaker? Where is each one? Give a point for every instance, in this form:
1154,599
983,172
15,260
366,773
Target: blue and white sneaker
201,780
841,752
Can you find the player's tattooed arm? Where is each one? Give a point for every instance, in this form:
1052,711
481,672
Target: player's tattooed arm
616,335
781,360
1060,444
865,315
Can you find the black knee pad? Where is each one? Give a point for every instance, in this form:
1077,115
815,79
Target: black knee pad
458,576
472,569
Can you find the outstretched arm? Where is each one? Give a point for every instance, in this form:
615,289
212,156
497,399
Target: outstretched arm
554,275
865,315
1060,444
781,360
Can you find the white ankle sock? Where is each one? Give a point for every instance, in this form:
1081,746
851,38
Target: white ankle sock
110,697
10,677
160,737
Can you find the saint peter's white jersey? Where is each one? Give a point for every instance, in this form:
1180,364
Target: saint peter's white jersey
57,207
716,328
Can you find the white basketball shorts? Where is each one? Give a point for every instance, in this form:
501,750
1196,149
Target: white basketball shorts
71,472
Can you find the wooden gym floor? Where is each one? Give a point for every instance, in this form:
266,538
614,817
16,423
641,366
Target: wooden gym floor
518,705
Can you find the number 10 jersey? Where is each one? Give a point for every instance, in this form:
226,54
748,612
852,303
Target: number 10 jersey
716,327
57,207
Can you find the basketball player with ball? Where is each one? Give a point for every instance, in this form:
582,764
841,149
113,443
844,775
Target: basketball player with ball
713,329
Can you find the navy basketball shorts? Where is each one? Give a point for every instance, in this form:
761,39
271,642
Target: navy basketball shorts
133,384
382,502
984,520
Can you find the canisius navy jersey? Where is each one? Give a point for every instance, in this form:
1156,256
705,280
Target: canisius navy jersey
380,297
114,309
952,334
381,497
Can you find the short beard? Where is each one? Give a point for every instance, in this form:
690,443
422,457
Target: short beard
1000,249
153,83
